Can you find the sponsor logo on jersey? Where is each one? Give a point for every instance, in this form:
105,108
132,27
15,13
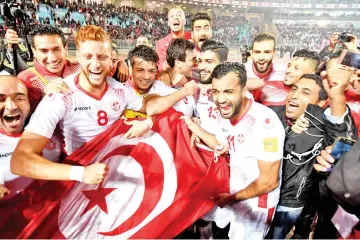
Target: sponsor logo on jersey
82,108
5,155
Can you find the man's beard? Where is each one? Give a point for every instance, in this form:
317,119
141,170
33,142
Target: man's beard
207,80
264,71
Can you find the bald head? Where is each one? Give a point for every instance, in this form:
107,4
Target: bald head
11,80
14,104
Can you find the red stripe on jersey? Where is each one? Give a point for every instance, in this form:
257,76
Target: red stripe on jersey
270,215
262,201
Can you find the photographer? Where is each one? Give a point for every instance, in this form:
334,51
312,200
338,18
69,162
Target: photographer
347,40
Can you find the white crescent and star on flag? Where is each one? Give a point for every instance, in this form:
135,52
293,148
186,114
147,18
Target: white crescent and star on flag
129,197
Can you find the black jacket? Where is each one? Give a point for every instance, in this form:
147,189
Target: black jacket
344,180
300,151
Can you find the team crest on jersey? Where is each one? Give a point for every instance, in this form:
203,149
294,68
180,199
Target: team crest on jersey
240,138
268,123
50,145
116,106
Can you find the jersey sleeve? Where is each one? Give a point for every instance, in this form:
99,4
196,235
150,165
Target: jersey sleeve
270,138
47,115
185,105
132,100
160,88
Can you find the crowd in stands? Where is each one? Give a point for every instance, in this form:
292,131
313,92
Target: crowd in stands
127,23
312,14
311,1
308,35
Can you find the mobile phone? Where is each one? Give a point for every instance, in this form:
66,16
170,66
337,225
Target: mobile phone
341,146
351,59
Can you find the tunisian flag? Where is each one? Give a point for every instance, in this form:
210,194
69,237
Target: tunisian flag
156,187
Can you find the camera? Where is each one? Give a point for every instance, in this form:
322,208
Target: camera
11,10
344,37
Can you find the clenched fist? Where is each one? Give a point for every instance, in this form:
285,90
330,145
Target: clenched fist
95,173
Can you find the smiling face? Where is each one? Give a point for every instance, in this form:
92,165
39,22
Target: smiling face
201,32
296,68
176,19
50,52
262,54
95,60
143,74
207,62
227,95
303,92
14,104
185,67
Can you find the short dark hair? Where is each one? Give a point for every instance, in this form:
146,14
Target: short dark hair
43,30
307,54
144,52
227,67
200,16
218,47
264,37
322,93
177,50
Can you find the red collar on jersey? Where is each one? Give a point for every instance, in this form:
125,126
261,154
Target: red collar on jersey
248,106
14,135
43,71
271,69
77,77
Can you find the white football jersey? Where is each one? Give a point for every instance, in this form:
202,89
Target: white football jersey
258,135
186,105
208,112
81,115
8,144
274,92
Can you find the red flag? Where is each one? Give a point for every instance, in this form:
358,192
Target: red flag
157,186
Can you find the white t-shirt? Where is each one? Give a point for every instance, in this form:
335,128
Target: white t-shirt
259,135
186,105
81,115
8,144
